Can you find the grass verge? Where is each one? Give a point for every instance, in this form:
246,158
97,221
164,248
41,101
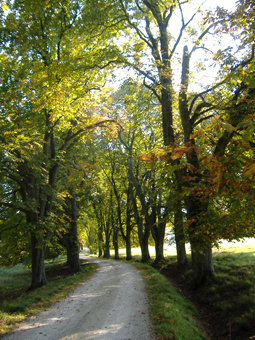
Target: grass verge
227,304
174,318
16,303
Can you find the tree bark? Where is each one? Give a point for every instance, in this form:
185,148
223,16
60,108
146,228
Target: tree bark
144,241
128,225
107,232
38,268
158,234
179,234
128,244
115,244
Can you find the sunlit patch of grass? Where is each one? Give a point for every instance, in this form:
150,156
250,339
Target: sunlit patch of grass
15,308
173,316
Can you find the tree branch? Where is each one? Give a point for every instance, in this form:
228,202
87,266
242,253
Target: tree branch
242,64
10,228
140,34
198,112
152,89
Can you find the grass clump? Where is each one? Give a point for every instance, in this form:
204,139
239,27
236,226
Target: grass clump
17,303
173,316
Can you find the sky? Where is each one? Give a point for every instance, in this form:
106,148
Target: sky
229,4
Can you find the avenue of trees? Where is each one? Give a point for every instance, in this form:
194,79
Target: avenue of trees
120,118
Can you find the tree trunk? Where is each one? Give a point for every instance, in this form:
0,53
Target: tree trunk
115,243
144,240
128,244
158,234
201,251
128,224
70,238
38,268
106,250
100,239
179,234
202,264
74,259
107,241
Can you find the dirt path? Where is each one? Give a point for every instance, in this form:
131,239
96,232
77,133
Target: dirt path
111,305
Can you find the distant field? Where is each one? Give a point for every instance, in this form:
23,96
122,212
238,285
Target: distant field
247,245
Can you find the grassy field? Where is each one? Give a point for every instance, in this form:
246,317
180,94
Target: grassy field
248,245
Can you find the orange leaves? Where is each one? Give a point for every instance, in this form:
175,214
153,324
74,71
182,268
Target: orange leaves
180,151
150,159
191,168
176,153
198,133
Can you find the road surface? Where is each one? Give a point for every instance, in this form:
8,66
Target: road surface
111,305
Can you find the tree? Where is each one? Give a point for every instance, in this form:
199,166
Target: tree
149,21
44,96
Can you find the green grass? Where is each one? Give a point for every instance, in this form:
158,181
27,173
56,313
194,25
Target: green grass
16,303
232,294
235,287
173,316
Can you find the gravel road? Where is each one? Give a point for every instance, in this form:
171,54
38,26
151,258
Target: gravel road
111,305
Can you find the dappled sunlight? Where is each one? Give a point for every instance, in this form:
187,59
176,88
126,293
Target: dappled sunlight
109,332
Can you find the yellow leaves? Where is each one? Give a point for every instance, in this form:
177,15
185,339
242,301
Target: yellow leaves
250,170
5,7
178,152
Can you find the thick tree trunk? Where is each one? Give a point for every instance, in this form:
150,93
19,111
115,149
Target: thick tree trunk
70,239
158,234
106,251
145,249
38,268
73,259
144,241
72,250
179,235
202,264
